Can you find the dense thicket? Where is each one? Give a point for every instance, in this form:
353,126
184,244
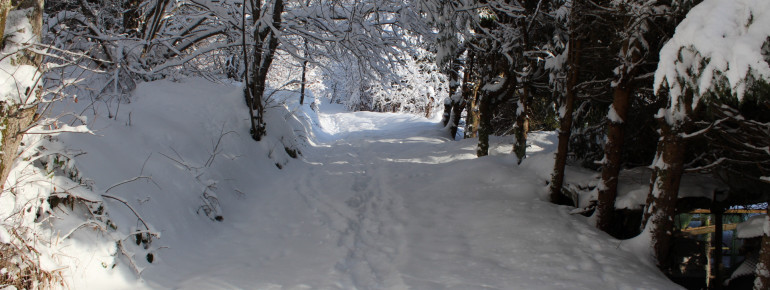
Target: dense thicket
601,57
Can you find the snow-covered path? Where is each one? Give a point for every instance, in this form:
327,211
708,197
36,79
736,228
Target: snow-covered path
385,202
376,201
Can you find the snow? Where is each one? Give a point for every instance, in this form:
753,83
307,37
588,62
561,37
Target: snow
562,111
5,237
494,86
634,185
752,228
519,108
612,115
375,201
16,80
747,267
719,42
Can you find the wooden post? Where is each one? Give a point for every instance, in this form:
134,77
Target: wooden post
709,243
716,283
763,275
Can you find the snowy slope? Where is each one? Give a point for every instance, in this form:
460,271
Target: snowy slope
375,201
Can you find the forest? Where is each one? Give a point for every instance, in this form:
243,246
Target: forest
657,111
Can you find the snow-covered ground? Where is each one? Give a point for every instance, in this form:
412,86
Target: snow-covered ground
375,201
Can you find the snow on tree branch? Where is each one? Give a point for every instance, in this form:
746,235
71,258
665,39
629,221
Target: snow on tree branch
719,45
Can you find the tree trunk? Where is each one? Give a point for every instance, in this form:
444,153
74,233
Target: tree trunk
457,110
447,112
472,119
763,267
485,124
151,26
521,128
266,44
468,90
455,100
502,81
18,117
304,79
557,178
664,190
631,50
5,6
522,124
668,167
429,107
302,86
605,209
453,109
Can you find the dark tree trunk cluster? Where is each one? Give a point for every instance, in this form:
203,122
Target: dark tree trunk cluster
266,42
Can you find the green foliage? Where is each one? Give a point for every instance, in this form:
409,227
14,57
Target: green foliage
588,130
542,115
758,92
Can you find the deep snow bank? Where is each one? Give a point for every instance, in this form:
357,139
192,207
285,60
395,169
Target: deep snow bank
185,149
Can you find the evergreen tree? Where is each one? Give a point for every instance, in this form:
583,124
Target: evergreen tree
636,43
697,73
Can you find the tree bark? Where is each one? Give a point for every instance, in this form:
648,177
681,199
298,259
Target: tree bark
763,267
304,78
664,191
631,50
557,178
447,112
470,91
151,26
457,110
472,120
5,6
266,44
485,124
522,124
521,128
453,109
608,189
16,118
668,167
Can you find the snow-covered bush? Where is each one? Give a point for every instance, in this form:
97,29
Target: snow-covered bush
47,202
415,86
